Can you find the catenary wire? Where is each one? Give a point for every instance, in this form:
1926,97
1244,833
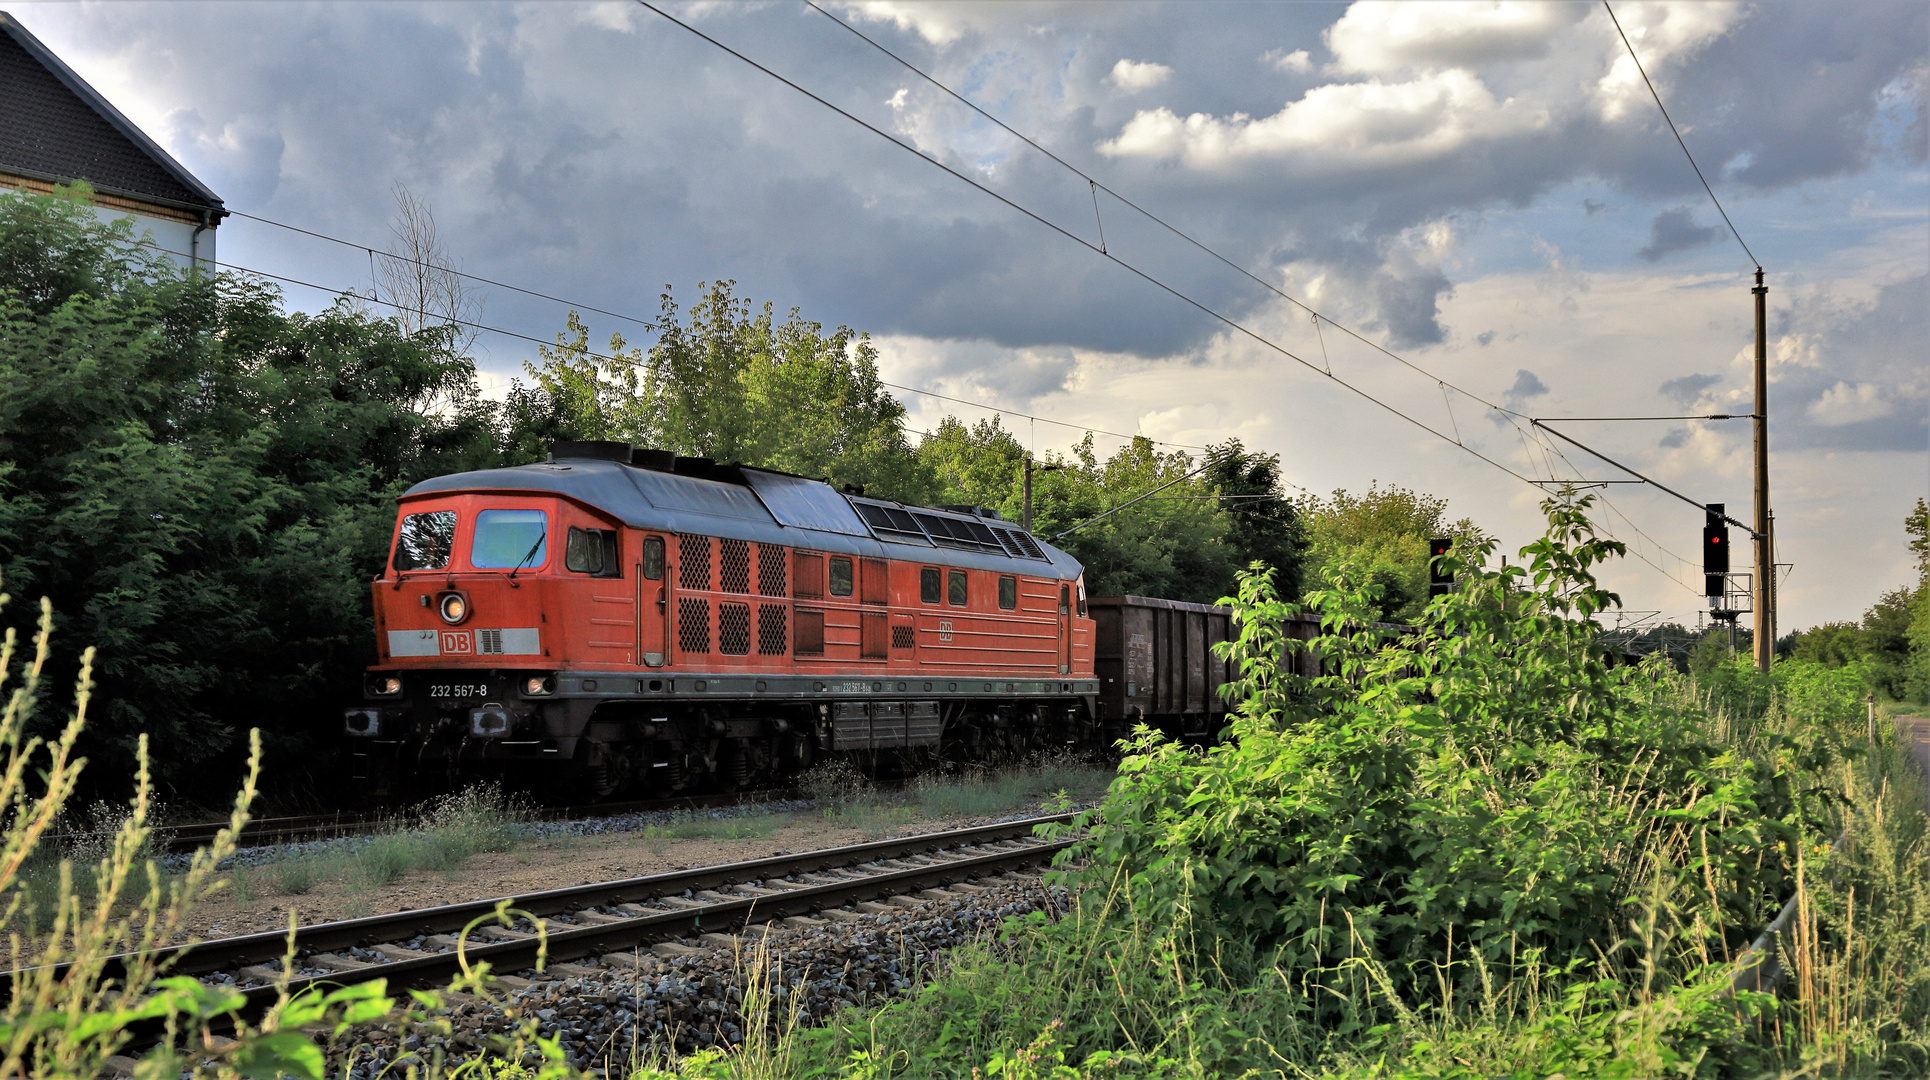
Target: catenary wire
1228,321
1095,185
1098,185
443,269
350,293
651,325
1678,135
1509,413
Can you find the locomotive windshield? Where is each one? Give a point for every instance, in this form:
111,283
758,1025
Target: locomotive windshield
509,539
425,540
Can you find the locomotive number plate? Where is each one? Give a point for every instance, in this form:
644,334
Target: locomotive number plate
459,690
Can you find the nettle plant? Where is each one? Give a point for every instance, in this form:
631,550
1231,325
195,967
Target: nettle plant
1480,796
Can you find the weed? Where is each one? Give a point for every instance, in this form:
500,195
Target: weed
384,859
294,876
834,782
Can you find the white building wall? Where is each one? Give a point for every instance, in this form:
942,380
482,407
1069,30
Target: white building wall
177,240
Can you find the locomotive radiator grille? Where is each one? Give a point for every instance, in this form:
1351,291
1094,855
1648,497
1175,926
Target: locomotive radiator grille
771,560
903,637
693,625
734,567
693,563
733,629
770,628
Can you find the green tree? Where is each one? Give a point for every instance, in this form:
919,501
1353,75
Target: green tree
1263,525
731,384
200,481
1382,537
977,465
1172,545
583,394
1916,679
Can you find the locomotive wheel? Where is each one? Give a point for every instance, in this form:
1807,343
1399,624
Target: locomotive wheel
606,772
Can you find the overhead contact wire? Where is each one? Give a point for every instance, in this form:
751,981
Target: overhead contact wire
1678,134
1098,186
1075,238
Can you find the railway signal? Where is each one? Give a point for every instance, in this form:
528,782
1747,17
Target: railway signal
1440,581
1715,552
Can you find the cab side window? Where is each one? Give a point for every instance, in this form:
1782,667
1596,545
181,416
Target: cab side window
1008,593
593,552
957,594
840,576
929,585
424,540
653,558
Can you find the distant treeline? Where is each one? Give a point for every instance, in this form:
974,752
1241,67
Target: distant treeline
201,480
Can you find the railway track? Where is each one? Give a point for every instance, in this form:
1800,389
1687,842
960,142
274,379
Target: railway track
262,832
610,923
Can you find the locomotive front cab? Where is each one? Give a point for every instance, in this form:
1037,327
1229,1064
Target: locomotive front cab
486,596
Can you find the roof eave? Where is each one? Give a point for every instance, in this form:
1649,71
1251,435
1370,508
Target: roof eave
108,112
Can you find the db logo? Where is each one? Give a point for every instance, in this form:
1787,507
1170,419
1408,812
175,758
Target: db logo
945,630
458,643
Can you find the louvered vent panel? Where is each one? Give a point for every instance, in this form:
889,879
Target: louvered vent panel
876,586
871,636
693,562
810,577
902,637
810,633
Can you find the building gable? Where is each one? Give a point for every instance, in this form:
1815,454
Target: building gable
54,127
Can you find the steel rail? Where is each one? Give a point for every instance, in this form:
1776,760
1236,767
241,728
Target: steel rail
725,916
235,952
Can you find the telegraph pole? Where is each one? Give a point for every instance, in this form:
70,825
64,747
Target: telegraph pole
1764,585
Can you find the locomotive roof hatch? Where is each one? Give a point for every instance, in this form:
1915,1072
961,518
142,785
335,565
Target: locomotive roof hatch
649,489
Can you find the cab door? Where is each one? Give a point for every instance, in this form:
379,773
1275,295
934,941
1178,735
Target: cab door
1065,628
653,600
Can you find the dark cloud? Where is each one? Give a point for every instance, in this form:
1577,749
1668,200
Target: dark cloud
1685,390
602,152
1526,386
1485,338
1676,230
1676,437
1591,207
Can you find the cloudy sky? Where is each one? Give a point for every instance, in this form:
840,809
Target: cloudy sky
1482,191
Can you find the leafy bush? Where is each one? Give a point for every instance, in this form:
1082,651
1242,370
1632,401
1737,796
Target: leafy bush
1488,788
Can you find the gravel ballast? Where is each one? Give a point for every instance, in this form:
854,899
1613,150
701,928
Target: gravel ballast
687,996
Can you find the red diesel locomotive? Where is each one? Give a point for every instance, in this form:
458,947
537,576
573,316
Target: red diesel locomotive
628,620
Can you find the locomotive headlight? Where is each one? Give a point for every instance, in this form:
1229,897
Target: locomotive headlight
453,606
384,686
539,686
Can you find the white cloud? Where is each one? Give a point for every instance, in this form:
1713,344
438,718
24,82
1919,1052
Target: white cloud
1377,38
1296,62
937,24
1846,404
1370,123
1661,33
1133,76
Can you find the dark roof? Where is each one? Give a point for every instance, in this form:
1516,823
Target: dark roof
766,507
53,126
